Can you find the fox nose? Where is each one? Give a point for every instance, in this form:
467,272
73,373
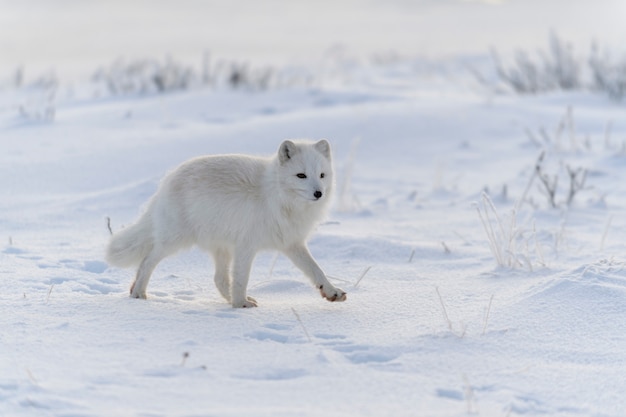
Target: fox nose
317,194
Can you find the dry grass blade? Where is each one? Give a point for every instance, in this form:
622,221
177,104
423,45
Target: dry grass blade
308,336
108,219
487,315
365,271
606,232
443,308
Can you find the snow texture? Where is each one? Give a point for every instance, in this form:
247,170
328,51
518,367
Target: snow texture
433,325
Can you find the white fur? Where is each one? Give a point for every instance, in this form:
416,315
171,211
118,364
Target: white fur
234,206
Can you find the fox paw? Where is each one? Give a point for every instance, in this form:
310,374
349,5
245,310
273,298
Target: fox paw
249,303
135,293
333,294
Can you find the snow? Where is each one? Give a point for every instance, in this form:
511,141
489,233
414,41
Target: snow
432,326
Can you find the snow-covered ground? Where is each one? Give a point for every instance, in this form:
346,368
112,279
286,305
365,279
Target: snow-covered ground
432,325
437,181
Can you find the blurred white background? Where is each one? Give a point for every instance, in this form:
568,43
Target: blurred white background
73,37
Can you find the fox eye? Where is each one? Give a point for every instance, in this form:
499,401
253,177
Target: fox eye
301,175
322,175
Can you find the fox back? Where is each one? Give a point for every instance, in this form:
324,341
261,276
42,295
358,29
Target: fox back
268,203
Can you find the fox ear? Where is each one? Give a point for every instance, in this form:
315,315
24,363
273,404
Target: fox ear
323,147
286,151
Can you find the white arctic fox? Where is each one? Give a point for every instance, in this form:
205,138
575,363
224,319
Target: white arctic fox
234,206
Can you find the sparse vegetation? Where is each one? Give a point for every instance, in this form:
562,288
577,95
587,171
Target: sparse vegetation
552,144
38,102
145,76
508,242
460,333
608,75
150,76
549,188
561,68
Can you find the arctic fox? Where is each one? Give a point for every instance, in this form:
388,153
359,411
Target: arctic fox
233,206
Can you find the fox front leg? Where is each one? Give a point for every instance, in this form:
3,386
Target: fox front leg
303,260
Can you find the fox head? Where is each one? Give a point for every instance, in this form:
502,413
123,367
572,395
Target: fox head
305,170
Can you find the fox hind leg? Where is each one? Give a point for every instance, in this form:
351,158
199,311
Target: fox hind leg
242,264
223,259
138,289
